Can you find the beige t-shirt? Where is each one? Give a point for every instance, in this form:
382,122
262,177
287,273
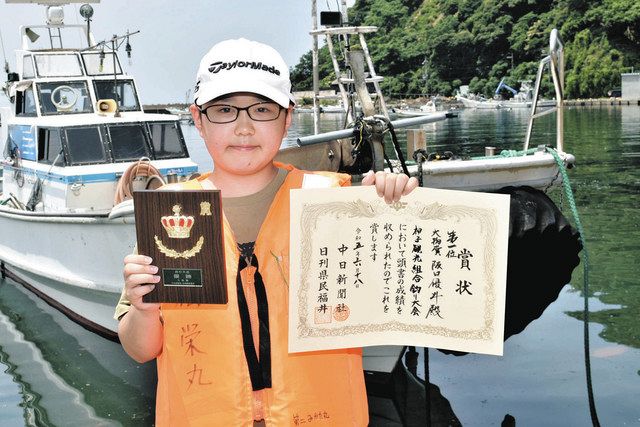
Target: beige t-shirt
245,216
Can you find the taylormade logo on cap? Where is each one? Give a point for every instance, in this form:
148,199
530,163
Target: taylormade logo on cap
217,66
243,66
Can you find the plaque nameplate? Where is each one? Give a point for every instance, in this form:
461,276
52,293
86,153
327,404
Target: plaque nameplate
182,232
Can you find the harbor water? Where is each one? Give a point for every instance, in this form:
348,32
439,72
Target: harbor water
55,373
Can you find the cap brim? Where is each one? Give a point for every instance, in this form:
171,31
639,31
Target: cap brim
208,92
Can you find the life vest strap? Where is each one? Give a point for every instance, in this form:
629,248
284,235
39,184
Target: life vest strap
259,369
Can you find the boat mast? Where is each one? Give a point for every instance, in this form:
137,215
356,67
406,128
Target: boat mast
357,61
315,65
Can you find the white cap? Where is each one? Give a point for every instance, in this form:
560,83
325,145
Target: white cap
243,66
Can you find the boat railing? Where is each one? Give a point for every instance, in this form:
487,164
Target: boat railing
348,133
555,61
32,41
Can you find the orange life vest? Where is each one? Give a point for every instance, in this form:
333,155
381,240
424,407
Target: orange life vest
203,375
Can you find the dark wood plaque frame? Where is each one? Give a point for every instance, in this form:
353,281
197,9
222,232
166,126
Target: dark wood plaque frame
191,269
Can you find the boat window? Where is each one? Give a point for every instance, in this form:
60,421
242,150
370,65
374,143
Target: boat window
59,65
25,103
97,66
84,146
64,98
28,71
167,141
50,146
126,93
128,142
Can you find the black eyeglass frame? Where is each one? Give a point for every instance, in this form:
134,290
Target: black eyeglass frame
238,109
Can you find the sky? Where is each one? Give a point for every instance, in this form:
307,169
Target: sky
175,34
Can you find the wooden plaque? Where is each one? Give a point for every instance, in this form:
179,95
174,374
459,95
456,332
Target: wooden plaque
182,232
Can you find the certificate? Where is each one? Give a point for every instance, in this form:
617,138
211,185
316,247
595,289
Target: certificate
427,271
182,232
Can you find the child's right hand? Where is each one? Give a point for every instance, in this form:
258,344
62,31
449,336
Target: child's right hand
139,279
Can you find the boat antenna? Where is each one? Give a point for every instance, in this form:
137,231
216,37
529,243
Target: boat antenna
116,41
115,76
127,49
86,11
4,56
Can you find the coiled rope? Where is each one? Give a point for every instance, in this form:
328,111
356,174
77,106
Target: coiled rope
574,211
141,168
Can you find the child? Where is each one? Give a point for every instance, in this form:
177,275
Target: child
228,365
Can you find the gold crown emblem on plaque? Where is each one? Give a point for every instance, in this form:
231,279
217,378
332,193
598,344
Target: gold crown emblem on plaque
177,226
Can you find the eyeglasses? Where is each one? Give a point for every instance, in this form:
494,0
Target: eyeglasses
259,112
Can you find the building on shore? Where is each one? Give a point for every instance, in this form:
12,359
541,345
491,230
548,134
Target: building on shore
630,85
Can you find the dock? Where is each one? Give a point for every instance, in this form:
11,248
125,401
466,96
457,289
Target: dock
600,102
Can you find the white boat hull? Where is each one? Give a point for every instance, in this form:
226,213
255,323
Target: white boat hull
74,261
538,170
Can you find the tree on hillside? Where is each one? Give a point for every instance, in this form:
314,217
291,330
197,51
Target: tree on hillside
593,66
433,46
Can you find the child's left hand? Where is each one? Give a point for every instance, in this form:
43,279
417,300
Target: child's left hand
390,185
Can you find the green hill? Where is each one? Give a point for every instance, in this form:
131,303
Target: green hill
434,46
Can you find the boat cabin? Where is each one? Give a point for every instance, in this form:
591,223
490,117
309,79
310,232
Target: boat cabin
76,124
53,83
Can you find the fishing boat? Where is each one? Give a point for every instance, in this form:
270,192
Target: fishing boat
425,109
73,131
522,98
299,109
479,101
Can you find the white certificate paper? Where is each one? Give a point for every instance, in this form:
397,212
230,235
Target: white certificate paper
427,271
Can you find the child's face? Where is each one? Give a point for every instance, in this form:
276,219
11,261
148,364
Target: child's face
244,146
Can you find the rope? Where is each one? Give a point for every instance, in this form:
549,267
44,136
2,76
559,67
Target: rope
358,130
396,147
427,387
419,157
508,153
141,168
574,211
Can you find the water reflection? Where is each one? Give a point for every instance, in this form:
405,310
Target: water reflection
607,183
630,138
67,376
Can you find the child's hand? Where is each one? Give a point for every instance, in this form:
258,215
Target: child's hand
139,276
390,185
